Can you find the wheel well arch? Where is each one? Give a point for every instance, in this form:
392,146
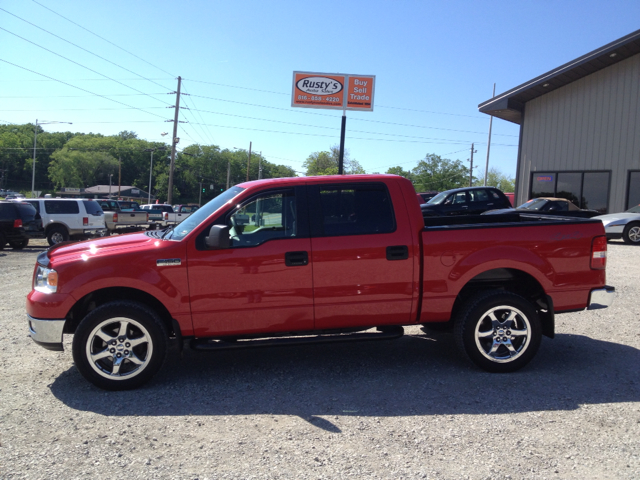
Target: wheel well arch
52,225
99,297
514,281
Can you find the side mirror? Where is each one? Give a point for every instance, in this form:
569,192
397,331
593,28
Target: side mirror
218,237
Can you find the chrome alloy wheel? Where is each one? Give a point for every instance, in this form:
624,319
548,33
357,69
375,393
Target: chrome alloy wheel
503,334
119,348
57,237
634,234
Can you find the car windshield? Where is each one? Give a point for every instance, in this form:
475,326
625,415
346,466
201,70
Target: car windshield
635,209
535,204
438,199
192,221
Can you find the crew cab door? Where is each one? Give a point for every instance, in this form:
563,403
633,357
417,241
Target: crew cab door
362,255
263,282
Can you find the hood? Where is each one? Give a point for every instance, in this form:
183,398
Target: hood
101,247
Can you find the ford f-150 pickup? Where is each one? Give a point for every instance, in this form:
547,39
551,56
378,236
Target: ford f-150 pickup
315,259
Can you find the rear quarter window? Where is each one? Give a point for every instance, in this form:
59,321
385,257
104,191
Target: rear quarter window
92,208
61,207
27,212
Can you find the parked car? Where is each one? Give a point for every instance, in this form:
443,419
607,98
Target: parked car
465,201
19,221
548,206
188,208
625,225
156,213
311,260
69,218
124,217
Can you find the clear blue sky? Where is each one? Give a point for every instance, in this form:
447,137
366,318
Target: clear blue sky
434,63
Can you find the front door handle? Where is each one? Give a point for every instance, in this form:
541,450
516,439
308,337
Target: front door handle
398,252
296,259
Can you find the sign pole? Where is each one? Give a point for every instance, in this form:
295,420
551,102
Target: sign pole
344,127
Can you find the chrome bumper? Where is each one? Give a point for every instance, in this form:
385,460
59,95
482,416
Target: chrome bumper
601,297
47,333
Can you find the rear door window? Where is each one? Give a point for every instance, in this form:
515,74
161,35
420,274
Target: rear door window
61,207
92,208
353,210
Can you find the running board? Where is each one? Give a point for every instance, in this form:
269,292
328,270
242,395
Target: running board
387,333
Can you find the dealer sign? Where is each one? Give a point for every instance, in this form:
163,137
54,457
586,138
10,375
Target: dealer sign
326,90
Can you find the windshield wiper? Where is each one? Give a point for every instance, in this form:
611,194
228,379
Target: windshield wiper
167,230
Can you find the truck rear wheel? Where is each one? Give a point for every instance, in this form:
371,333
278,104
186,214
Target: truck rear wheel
498,331
120,345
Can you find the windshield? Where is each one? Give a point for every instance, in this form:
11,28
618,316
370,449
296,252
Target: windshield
635,209
438,199
535,204
192,221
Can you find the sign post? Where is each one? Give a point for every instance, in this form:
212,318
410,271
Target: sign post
336,92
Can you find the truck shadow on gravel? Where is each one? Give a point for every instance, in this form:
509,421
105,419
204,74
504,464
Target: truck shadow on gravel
414,375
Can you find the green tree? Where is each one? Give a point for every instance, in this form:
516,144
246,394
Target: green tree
439,174
495,178
401,172
326,163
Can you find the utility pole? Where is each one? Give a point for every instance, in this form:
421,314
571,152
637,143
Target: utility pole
486,168
471,168
200,196
228,173
342,132
119,175
259,165
173,144
248,161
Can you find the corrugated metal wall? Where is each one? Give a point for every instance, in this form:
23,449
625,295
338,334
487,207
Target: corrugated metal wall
590,124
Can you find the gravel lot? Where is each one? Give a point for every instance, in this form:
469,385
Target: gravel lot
407,408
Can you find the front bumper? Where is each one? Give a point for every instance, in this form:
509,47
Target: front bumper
47,332
601,297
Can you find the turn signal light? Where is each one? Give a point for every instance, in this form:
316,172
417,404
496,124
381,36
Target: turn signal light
17,223
85,221
115,218
599,253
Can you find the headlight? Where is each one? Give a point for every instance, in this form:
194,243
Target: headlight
46,280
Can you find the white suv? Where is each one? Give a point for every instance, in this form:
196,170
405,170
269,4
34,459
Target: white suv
69,218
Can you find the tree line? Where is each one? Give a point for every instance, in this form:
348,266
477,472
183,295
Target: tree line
78,160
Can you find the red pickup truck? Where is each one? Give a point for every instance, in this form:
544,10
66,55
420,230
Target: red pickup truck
310,260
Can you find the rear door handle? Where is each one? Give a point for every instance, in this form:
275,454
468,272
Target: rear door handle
398,252
296,259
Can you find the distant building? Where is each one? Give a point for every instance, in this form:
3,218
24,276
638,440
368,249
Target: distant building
126,192
580,129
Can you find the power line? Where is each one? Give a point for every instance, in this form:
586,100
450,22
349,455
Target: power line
79,88
84,96
84,49
102,38
80,65
207,132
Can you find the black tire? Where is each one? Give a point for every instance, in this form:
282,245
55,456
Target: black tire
631,234
19,245
129,342
494,345
57,234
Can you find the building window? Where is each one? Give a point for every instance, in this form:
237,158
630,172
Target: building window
589,190
633,189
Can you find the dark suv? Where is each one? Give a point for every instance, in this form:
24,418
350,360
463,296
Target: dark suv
19,221
465,201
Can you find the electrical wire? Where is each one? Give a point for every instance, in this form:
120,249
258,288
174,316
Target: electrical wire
83,66
82,48
79,88
102,38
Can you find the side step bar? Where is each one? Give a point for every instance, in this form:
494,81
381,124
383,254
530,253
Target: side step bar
384,333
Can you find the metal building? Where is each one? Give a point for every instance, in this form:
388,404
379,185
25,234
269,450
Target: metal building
580,129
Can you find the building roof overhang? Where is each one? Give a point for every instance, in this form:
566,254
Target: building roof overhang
510,105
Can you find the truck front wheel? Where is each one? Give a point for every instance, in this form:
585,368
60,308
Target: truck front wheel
498,331
120,345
